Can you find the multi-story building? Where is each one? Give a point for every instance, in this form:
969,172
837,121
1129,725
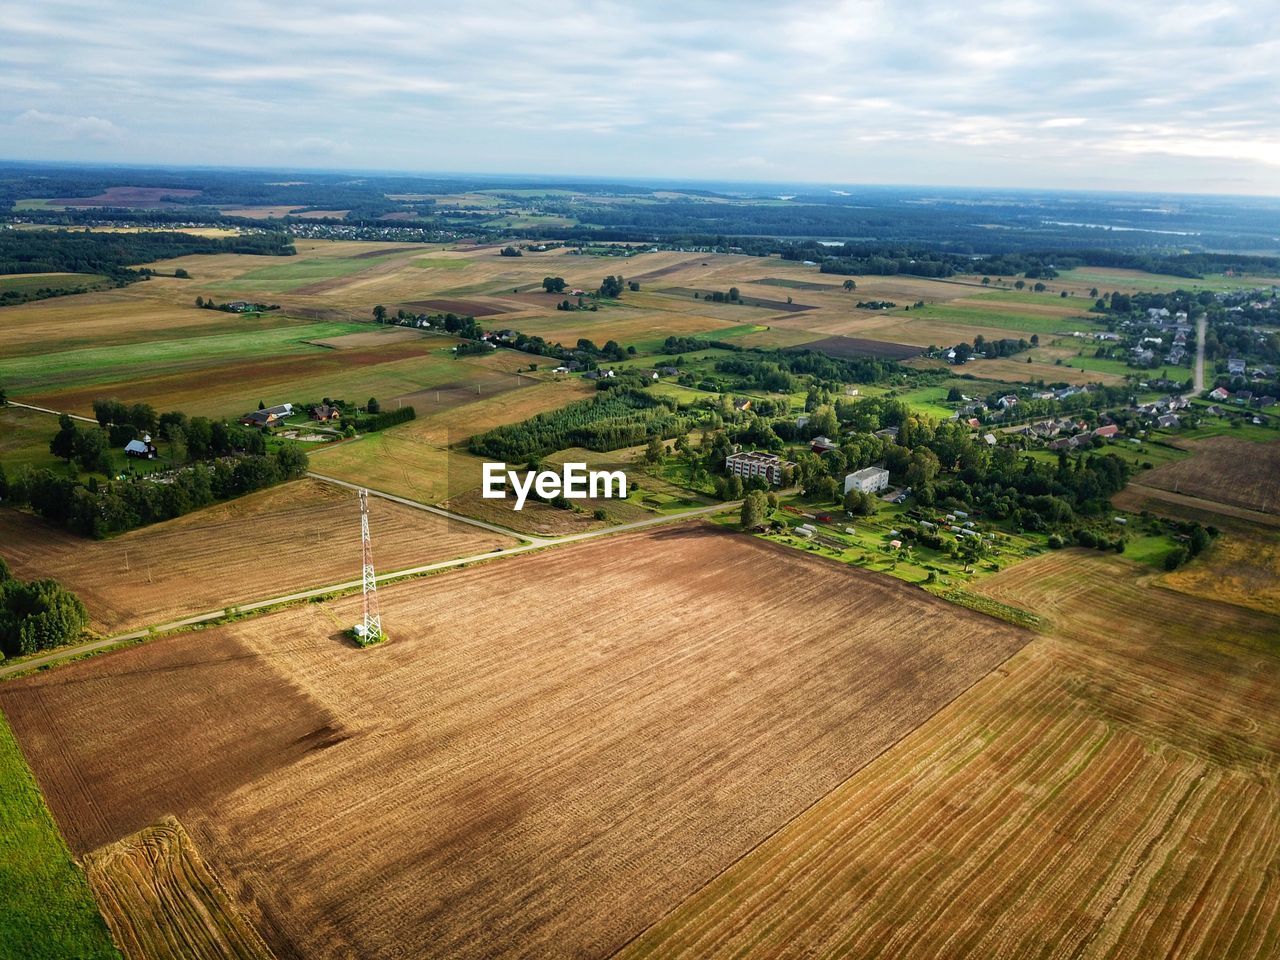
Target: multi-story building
749,463
868,480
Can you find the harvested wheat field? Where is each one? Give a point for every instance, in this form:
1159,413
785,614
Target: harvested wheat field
1232,471
290,537
1109,792
522,770
163,903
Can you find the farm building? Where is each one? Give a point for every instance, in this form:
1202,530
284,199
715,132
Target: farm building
267,416
868,480
143,449
749,463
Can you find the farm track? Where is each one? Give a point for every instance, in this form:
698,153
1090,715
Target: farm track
163,903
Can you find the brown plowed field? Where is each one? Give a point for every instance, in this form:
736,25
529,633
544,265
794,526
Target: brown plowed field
163,903
1232,471
291,537
1109,792
860,347
539,763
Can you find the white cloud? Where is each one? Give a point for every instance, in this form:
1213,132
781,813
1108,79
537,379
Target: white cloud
67,128
1018,92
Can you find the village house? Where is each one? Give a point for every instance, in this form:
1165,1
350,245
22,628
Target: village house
324,413
267,416
1235,366
823,445
1220,393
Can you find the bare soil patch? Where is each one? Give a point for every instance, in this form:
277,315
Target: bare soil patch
1240,473
464,308
860,347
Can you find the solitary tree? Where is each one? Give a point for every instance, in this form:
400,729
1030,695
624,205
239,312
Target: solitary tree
755,509
553,284
380,314
63,444
849,285
373,406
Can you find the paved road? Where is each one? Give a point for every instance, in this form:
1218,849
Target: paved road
534,543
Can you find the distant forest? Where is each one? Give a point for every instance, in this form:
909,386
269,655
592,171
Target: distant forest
111,254
922,230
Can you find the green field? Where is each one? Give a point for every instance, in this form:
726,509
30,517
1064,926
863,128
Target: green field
46,906
299,272
438,263
24,439
1000,324
1106,280
28,283
926,400
92,365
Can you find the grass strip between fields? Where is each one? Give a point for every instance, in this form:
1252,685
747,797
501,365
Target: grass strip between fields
46,906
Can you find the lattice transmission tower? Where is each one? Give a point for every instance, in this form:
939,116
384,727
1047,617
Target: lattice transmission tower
372,618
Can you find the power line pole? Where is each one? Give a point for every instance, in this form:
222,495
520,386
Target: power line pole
372,618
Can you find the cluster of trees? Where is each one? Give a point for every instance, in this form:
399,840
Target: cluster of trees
379,419
692,344
211,304
1005,347
777,370
202,437
611,287
37,615
619,417
553,284
509,251
720,296
101,509
110,254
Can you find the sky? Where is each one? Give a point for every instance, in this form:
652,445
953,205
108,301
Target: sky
1118,95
